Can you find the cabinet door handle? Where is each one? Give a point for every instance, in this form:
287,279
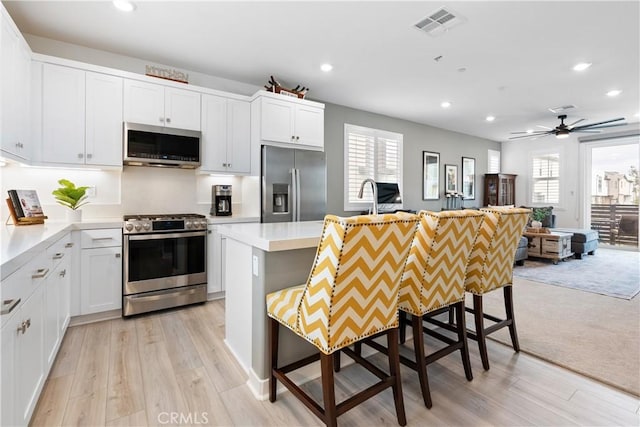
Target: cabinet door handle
28,323
80,155
40,273
161,119
297,138
68,245
228,164
63,273
22,328
102,238
8,305
59,255
293,137
89,156
168,120
117,255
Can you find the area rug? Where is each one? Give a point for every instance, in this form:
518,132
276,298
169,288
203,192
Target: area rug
609,272
594,335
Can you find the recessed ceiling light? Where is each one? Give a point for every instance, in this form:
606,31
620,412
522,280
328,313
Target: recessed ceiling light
529,130
581,66
490,118
614,92
445,104
326,67
124,5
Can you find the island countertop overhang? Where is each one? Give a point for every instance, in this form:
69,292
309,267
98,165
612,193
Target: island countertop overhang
277,236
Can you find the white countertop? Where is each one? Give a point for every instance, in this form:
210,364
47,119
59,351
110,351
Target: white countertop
278,236
231,219
19,243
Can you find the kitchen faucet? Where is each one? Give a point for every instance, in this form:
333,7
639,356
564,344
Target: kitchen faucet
375,194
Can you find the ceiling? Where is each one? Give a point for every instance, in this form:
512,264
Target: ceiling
512,60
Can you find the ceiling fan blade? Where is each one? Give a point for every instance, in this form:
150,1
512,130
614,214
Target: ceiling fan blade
545,127
585,131
598,123
532,135
601,127
575,123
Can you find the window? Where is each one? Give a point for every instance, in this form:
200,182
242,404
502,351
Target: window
493,161
545,178
369,153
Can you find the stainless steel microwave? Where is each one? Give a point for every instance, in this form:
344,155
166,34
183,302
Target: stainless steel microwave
146,145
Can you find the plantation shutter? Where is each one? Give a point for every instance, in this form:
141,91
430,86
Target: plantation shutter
493,161
545,175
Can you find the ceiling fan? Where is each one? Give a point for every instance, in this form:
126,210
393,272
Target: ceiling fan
563,130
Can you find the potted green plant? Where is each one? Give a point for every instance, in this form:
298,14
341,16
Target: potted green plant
72,197
537,216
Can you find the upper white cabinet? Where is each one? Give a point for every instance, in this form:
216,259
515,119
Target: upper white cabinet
103,121
290,121
14,91
226,135
159,105
81,117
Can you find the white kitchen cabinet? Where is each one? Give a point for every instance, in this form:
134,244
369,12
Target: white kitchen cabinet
81,117
29,351
226,135
289,121
215,262
159,105
103,125
7,370
101,270
15,57
63,114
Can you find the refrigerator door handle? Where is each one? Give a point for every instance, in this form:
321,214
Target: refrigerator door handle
297,195
294,195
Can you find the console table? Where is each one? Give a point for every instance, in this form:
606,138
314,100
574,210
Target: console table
554,245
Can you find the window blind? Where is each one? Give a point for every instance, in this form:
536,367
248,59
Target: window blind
493,161
545,174
370,153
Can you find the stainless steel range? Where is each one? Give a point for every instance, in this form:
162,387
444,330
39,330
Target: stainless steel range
165,259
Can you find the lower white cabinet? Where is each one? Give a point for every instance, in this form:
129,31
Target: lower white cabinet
101,270
215,260
7,373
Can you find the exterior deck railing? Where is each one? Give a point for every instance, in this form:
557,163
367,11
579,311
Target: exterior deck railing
616,224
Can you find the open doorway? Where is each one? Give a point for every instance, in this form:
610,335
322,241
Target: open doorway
612,191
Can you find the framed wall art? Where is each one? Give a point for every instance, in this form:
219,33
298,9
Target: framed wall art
430,175
450,179
468,178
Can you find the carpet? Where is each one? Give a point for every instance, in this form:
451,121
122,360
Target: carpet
609,272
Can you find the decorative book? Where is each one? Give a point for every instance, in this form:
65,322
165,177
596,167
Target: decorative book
24,207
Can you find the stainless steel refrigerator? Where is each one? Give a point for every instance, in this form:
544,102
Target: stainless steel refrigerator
294,185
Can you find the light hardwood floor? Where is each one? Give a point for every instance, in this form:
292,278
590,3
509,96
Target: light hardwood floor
146,370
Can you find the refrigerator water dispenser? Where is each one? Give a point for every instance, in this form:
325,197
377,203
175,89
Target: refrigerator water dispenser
280,198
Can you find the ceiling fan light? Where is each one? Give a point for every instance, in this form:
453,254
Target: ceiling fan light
490,118
581,66
562,135
124,5
614,92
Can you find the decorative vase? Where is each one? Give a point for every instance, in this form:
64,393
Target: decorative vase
74,215
536,224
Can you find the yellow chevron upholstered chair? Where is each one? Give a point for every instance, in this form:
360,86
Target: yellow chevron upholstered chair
491,268
351,294
433,281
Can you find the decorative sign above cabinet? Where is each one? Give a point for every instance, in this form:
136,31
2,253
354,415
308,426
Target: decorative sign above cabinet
167,73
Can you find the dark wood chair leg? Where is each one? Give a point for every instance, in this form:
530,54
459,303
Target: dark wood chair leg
480,332
421,363
451,315
328,391
394,370
508,307
462,337
336,361
273,356
402,320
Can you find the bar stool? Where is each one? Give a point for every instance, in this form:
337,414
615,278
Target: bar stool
432,282
351,294
491,268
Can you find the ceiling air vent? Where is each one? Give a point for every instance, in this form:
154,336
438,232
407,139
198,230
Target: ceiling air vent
438,22
562,108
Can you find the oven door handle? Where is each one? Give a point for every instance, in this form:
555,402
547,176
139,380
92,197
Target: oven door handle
158,236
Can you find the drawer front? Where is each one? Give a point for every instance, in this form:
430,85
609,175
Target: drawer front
59,250
18,287
101,238
534,248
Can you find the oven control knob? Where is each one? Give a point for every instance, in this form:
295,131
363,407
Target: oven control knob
128,226
203,224
146,226
138,227
188,224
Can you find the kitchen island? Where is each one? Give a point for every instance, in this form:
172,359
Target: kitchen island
260,259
